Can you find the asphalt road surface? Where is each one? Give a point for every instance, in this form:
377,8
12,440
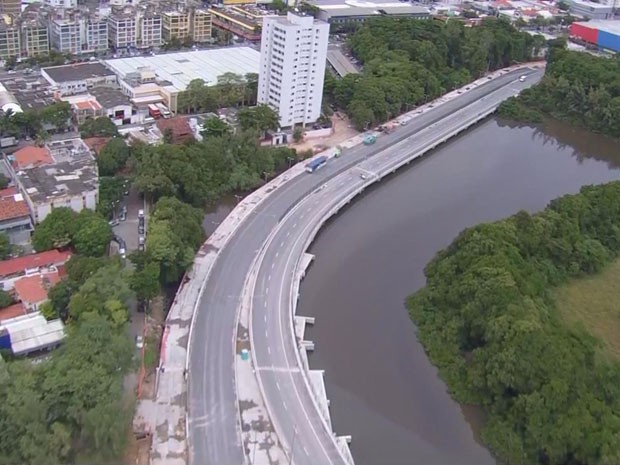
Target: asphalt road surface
214,431
297,421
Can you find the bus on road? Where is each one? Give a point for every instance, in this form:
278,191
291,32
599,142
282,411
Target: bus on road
315,164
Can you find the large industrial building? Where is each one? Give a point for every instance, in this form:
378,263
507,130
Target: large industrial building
604,34
160,78
591,10
341,13
292,67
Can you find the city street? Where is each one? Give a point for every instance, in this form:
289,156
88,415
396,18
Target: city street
128,229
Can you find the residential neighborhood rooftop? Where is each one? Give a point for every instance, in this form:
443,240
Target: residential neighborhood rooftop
12,205
31,156
12,311
33,289
32,332
59,180
77,72
109,97
35,261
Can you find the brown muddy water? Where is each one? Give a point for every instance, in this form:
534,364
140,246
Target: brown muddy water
383,390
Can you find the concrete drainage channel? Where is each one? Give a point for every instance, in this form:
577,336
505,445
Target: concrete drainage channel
167,414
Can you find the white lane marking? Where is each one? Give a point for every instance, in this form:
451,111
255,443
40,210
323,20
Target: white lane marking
269,278
265,318
277,253
266,291
279,369
305,451
269,350
282,244
265,302
272,265
284,405
288,233
278,385
295,225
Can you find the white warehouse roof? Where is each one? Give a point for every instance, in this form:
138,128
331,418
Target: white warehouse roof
183,67
32,332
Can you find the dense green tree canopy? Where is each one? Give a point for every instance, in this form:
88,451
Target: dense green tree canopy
69,409
112,157
5,246
260,118
215,127
202,172
487,322
56,230
577,87
98,127
87,231
175,233
230,90
408,62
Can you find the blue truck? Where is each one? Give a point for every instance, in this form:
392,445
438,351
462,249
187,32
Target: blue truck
315,164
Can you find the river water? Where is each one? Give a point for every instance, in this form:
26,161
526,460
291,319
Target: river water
383,390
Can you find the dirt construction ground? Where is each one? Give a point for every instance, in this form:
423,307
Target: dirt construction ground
342,132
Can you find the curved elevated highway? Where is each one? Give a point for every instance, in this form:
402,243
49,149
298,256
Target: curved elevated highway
268,245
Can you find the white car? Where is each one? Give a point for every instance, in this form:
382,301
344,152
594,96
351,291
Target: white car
363,176
139,342
122,252
522,78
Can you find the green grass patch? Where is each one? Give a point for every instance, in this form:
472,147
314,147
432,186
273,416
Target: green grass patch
594,302
151,351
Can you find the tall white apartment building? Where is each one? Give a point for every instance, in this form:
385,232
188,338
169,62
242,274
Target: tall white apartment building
149,30
65,36
292,67
122,30
95,35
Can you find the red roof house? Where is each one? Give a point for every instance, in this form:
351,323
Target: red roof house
32,290
16,267
179,128
31,157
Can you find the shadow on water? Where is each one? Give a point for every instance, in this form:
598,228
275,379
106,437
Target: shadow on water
579,142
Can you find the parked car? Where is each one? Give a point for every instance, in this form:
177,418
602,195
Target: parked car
113,223
141,229
139,342
122,252
122,216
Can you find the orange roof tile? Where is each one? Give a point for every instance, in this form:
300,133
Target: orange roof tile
20,264
33,289
8,192
32,156
13,207
96,143
88,105
12,311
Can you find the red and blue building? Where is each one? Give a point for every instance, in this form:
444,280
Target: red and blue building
604,33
